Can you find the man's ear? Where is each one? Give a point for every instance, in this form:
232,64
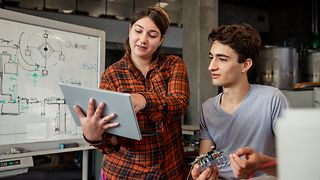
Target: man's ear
246,65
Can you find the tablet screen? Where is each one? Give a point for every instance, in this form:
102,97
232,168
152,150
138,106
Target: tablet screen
115,102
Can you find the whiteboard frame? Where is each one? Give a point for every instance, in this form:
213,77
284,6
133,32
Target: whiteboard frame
44,147
62,26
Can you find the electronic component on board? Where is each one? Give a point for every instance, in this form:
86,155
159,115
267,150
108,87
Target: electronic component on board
212,158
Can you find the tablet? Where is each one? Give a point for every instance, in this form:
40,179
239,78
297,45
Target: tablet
115,102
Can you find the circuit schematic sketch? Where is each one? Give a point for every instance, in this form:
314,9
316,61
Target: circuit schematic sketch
33,60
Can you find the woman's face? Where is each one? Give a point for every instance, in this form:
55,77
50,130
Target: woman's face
144,38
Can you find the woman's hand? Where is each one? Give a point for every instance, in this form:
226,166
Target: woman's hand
138,101
93,125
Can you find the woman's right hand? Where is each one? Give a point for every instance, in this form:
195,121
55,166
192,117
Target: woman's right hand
93,125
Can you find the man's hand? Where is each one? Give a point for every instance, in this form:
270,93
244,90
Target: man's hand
246,161
210,173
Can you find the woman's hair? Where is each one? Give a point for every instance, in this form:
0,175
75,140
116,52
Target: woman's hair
160,19
242,38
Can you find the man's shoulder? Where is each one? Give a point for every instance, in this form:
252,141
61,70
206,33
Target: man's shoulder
210,101
264,89
266,93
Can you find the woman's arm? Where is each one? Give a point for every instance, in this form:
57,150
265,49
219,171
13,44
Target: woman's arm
174,102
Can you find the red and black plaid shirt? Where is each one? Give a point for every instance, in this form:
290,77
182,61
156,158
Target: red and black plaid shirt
166,90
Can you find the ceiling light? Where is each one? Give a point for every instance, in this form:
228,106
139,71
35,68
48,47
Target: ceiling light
67,11
120,17
162,4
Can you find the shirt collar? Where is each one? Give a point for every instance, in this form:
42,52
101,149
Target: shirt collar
129,64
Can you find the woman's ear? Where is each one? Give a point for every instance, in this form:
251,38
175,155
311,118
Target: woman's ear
129,28
161,40
246,65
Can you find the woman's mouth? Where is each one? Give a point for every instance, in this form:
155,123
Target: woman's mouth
142,47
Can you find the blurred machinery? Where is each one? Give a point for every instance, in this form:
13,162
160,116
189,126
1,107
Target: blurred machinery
278,67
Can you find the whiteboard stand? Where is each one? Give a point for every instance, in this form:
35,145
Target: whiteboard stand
85,162
35,149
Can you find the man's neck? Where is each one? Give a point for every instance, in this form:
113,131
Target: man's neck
233,96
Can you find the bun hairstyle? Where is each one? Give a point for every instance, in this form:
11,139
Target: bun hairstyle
160,19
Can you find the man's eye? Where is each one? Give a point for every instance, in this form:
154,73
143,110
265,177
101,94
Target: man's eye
210,57
222,59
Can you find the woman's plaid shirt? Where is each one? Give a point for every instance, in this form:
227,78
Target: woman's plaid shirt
166,89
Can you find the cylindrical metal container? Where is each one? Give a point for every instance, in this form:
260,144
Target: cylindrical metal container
311,71
278,67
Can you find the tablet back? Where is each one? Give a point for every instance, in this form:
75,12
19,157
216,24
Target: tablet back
115,102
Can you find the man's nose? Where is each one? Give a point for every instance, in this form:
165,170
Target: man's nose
212,65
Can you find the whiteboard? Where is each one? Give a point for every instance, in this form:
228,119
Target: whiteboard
35,55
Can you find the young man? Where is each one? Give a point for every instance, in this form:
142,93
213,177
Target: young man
243,114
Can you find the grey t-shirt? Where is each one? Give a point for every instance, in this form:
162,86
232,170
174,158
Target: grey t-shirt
252,124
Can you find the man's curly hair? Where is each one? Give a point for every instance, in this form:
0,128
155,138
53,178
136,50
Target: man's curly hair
242,38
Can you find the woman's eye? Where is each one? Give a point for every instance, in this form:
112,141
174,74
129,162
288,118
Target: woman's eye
152,35
138,30
210,57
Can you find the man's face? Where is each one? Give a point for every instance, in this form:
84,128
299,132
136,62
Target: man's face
224,67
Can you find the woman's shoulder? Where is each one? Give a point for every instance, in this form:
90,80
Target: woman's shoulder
169,60
118,65
116,68
173,58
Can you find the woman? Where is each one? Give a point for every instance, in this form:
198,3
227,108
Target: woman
159,90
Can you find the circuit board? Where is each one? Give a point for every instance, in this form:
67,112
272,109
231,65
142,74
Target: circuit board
212,158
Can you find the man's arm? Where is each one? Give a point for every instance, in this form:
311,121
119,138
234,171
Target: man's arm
206,145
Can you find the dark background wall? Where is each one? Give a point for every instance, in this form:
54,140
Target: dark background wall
287,21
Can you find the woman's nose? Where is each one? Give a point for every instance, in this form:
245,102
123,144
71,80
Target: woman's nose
143,38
